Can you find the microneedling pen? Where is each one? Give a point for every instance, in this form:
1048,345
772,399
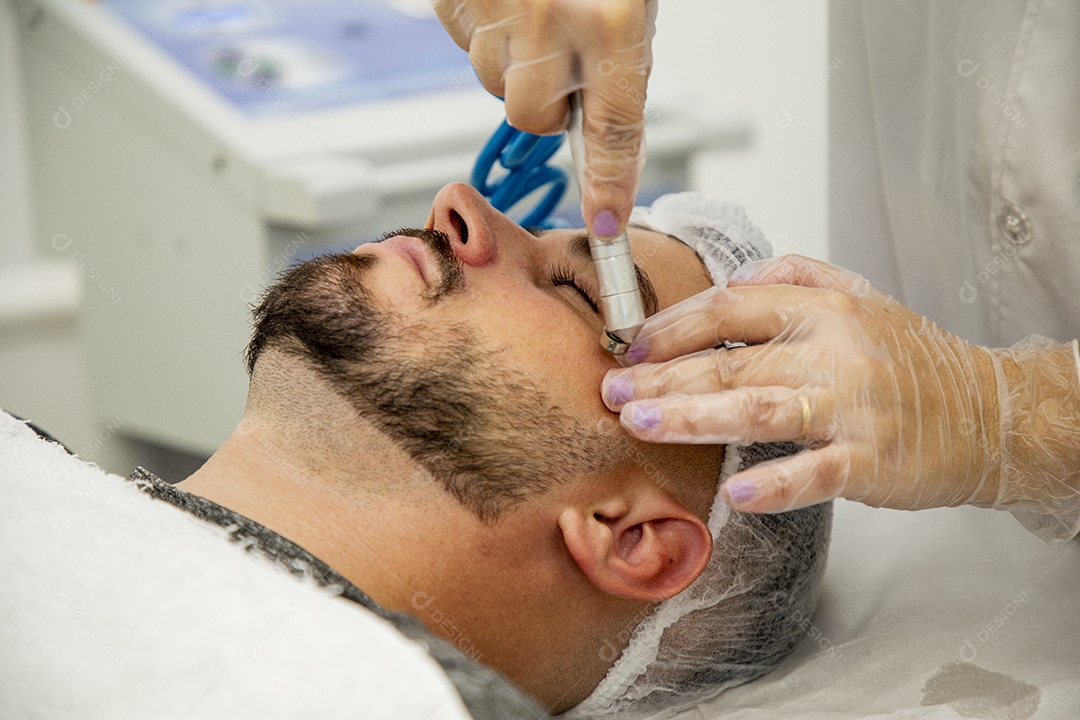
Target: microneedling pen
620,297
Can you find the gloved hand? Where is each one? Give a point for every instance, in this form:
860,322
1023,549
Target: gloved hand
535,53
893,410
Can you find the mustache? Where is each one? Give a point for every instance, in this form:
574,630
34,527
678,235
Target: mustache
451,269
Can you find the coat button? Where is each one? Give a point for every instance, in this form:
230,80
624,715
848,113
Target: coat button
1014,223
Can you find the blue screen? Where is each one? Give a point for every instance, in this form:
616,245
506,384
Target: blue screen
295,56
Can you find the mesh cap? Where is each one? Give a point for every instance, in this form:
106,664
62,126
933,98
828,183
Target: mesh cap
753,602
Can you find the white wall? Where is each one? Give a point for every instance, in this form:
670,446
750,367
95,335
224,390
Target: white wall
767,57
14,190
43,374
764,58
41,367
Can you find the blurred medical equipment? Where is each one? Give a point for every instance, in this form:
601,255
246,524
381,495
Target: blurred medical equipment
184,153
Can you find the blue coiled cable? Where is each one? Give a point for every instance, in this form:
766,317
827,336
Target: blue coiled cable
523,156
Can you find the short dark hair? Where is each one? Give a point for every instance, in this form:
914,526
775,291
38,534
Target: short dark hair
283,318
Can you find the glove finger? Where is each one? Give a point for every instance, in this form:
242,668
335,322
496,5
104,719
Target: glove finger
805,272
455,18
489,52
797,481
750,314
709,371
539,78
742,416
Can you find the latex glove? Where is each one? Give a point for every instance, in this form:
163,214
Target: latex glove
535,53
893,410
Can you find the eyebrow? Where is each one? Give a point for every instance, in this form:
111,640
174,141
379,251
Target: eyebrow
579,246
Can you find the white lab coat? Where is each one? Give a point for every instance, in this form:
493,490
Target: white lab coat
954,159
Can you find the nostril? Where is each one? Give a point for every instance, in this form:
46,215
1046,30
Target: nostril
459,224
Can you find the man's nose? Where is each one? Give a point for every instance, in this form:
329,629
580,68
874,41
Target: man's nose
470,222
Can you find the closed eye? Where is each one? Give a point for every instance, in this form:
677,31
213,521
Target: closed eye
563,275
579,247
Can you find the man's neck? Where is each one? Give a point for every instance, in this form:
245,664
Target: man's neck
507,594
329,503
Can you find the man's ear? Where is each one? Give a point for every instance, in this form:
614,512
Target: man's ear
641,544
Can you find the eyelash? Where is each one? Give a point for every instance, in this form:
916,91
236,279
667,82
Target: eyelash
563,275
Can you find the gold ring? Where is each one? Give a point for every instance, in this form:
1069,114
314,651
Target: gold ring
807,414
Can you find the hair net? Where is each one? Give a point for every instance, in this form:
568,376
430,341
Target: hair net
721,233
753,602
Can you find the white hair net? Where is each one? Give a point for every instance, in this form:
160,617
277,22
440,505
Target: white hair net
721,233
753,602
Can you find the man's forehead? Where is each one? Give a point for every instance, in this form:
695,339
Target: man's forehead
577,241
677,271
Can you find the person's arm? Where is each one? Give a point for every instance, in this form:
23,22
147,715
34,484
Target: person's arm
535,53
1039,382
894,411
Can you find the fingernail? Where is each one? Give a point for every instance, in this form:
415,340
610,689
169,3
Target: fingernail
637,353
620,390
741,275
645,417
605,224
740,491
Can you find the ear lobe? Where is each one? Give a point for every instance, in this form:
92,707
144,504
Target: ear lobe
644,547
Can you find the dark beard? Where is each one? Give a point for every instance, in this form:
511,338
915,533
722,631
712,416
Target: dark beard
331,286
483,430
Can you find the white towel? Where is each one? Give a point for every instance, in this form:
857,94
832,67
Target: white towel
115,605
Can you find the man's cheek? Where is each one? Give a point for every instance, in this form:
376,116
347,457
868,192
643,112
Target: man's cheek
568,363
390,298
564,341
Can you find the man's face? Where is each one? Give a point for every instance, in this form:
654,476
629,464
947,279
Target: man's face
531,297
475,344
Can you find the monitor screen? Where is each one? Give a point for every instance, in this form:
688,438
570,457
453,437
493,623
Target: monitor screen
296,56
